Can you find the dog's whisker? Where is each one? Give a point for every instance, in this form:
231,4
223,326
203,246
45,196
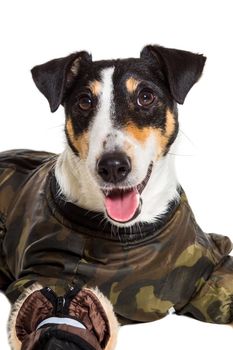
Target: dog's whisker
119,236
112,231
180,155
139,228
97,215
56,126
103,220
188,138
87,212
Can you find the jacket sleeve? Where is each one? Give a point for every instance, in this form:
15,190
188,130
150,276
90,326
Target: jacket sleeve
214,301
5,276
15,167
21,285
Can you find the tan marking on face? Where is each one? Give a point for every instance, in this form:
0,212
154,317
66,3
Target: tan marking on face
170,123
95,87
162,136
80,143
131,84
140,134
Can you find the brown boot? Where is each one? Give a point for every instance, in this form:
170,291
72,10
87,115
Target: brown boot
79,320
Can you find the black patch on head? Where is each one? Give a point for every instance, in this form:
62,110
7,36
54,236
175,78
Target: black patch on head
88,73
126,106
182,69
52,78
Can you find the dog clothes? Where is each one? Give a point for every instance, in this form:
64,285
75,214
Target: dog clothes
145,271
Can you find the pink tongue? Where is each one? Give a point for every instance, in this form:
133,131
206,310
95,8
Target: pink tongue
121,206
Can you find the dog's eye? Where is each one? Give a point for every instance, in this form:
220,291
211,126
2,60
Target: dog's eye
84,102
145,98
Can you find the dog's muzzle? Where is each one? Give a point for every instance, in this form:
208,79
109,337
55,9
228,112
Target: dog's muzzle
123,204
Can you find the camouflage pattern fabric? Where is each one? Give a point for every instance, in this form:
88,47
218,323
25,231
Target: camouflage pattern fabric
144,274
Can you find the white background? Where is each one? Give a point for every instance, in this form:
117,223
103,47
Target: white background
33,32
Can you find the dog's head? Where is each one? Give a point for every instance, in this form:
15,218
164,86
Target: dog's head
121,119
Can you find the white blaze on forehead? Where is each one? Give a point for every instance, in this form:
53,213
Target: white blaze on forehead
102,125
102,120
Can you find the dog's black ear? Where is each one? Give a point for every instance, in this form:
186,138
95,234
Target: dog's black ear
181,68
54,77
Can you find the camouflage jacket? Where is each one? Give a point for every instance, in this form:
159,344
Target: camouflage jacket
145,271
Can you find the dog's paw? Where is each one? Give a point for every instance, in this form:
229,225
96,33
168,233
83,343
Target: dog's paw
82,319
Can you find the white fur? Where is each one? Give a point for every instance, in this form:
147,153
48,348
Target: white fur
102,125
160,190
77,183
80,182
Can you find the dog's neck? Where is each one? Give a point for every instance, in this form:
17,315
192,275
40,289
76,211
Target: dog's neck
78,186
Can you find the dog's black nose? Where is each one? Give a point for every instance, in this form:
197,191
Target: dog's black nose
114,167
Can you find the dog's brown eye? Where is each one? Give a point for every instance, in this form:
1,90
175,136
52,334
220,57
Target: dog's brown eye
145,98
84,102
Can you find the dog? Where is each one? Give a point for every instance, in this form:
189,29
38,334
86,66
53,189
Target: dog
103,233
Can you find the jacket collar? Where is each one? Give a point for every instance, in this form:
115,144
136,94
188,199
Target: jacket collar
94,223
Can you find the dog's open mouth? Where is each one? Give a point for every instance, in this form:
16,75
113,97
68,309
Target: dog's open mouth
124,204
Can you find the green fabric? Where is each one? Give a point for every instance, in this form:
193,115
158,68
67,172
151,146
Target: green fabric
176,266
